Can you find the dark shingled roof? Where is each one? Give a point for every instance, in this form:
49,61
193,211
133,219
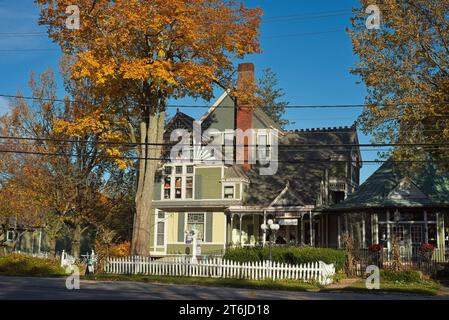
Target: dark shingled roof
305,176
424,187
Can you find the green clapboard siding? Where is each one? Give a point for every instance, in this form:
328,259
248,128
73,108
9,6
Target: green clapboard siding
198,186
157,191
222,118
237,190
187,249
181,226
209,226
210,183
152,223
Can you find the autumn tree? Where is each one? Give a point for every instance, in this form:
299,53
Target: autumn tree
405,66
141,54
59,173
270,93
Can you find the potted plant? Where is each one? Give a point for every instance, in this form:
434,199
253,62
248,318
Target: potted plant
376,253
426,250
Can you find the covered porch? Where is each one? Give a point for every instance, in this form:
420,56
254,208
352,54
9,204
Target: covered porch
412,227
299,226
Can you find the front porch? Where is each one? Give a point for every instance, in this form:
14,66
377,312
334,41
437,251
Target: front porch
298,227
412,227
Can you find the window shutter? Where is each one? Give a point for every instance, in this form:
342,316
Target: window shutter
209,226
181,226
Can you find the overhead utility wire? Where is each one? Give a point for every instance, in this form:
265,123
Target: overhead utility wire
312,145
212,161
318,106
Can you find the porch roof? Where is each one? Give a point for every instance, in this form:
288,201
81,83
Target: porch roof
396,185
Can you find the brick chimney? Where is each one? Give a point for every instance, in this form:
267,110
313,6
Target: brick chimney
244,111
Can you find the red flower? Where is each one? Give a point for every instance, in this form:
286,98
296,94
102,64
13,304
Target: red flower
427,247
375,248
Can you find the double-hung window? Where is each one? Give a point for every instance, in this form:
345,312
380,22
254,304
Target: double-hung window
229,192
178,182
195,221
160,229
263,148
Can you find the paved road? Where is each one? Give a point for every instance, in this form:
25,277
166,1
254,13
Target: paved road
54,288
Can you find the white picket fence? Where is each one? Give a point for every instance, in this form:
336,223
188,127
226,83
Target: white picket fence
219,268
67,259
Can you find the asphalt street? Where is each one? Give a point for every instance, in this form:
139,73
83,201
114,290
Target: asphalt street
13,288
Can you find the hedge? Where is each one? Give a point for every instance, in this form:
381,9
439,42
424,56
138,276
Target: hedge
23,265
406,276
291,255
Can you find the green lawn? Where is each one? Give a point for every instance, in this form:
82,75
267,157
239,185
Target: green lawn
424,287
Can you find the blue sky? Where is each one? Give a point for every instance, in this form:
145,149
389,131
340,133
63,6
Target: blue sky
303,41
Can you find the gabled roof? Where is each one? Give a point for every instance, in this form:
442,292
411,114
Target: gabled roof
287,198
301,169
259,114
235,173
266,120
180,120
215,105
394,185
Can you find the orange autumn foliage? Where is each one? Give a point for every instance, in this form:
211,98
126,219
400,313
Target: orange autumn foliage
120,249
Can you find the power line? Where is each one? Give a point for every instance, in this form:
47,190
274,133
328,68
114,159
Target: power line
318,106
305,145
296,161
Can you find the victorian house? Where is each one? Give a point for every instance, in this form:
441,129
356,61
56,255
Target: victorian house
226,203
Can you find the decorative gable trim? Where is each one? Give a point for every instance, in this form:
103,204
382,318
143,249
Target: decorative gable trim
406,189
278,202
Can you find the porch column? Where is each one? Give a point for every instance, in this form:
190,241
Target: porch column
298,231
264,240
375,228
303,229
339,231
311,228
327,231
426,228
440,230
240,235
388,232
363,231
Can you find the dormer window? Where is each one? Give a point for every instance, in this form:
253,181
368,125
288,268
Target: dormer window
229,192
263,147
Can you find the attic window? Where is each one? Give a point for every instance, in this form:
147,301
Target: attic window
229,192
263,147
10,235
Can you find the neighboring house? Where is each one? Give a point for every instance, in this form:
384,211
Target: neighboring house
20,237
227,204
392,202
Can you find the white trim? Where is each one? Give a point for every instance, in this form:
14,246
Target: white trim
202,243
215,105
157,220
186,215
8,238
228,184
173,177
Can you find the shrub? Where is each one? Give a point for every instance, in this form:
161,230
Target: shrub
23,265
120,250
407,276
291,255
375,248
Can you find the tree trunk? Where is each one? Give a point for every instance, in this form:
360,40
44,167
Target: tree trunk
151,132
76,242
